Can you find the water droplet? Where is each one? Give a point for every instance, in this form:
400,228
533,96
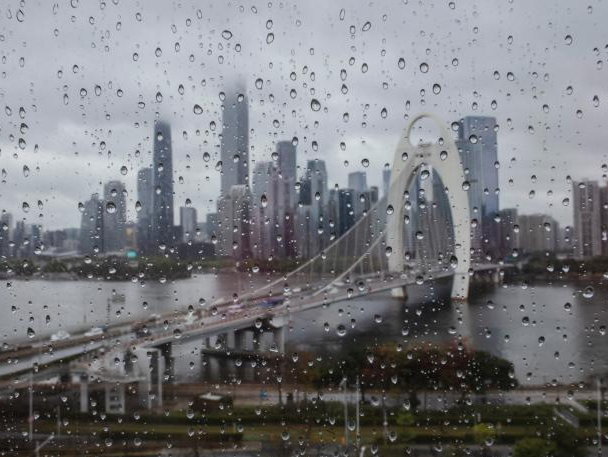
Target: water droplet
123,170
568,40
424,67
588,292
197,109
366,26
383,113
110,207
436,89
226,34
401,63
315,105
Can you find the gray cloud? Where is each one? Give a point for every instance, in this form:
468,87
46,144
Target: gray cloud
311,41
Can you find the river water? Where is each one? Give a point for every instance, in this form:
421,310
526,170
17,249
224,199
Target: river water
550,332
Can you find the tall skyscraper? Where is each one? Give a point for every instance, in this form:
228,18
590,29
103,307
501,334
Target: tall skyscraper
478,150
357,181
262,211
235,223
386,180
537,233
604,219
162,212
6,232
346,210
187,221
235,139
115,217
91,226
145,197
508,237
587,219
287,197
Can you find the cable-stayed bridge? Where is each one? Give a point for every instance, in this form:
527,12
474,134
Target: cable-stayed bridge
369,258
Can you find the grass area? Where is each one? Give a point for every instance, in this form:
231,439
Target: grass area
278,433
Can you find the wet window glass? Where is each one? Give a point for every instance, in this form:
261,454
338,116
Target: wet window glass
303,228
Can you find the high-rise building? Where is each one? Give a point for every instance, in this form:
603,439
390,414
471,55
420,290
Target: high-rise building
162,198
537,233
386,181
587,219
508,235
346,210
262,211
188,223
115,217
235,223
6,232
478,150
287,197
604,219
357,181
235,139
145,197
91,226
333,214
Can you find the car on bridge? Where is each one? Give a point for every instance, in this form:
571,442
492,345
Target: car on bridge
94,331
61,335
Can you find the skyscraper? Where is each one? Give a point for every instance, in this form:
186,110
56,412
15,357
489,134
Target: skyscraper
287,197
91,226
187,221
287,165
235,223
235,139
357,181
537,233
262,210
115,217
386,180
162,196
508,237
6,232
587,219
145,197
479,154
346,210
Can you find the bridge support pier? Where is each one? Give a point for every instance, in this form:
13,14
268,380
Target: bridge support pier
257,339
230,340
496,277
279,339
166,352
151,388
84,393
115,398
240,340
460,286
400,292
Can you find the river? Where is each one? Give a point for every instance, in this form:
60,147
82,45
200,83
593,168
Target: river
549,332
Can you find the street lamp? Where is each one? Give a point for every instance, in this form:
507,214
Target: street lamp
343,386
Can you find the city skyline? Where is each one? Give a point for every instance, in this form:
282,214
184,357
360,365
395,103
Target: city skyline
115,132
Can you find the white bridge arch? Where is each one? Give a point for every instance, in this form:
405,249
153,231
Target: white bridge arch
410,160
370,256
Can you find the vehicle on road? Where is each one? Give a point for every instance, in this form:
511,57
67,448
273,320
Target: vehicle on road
60,336
95,331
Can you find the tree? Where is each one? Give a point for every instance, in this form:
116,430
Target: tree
533,447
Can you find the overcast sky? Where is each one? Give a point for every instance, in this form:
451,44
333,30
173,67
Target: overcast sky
74,137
